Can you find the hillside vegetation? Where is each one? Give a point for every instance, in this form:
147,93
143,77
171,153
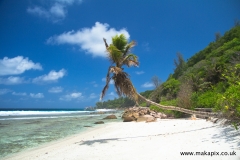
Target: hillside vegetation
209,79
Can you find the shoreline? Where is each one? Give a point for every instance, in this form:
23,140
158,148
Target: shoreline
164,139
84,132
25,131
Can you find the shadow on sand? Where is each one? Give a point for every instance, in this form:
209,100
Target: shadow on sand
102,141
229,134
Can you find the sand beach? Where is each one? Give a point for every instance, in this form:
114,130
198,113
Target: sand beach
163,139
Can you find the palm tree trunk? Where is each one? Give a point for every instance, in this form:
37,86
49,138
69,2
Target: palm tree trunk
207,114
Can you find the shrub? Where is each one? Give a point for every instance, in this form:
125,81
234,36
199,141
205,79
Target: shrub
229,102
207,100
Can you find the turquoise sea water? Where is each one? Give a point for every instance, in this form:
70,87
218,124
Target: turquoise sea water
20,130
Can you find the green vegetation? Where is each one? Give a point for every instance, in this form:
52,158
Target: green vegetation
121,102
209,79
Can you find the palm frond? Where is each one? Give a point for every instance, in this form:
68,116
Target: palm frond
105,42
108,78
130,60
114,54
117,88
124,86
132,63
104,91
128,47
120,42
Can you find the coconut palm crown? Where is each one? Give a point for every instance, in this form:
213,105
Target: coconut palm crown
119,54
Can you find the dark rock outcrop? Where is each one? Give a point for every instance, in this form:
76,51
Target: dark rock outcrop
99,122
87,126
110,117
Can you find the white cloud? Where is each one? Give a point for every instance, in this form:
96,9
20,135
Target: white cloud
139,72
19,94
111,94
12,80
37,95
89,39
68,1
71,96
17,65
55,90
52,76
56,9
147,85
111,81
92,96
4,91
39,11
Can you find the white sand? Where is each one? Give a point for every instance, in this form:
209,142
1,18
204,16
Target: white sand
164,139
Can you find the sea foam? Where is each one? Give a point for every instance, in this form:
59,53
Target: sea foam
22,113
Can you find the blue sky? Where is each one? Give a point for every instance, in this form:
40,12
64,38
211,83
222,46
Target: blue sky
52,54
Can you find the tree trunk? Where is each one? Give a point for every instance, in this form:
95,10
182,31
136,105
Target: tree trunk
207,114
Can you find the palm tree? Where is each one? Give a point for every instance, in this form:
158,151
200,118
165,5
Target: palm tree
119,54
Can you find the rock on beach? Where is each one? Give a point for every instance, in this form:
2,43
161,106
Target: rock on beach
110,117
140,114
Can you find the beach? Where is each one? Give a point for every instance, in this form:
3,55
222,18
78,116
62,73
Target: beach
163,139
21,130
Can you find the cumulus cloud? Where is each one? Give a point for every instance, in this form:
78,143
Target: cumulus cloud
111,81
71,96
17,65
37,95
92,96
89,39
147,85
12,80
4,91
139,72
19,94
56,10
52,76
55,90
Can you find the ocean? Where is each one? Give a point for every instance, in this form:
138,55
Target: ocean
27,128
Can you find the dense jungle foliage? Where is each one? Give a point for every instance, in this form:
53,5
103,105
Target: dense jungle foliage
209,79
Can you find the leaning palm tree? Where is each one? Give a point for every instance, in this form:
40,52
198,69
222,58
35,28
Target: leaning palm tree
119,54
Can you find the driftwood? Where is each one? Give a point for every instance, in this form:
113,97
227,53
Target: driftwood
200,113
